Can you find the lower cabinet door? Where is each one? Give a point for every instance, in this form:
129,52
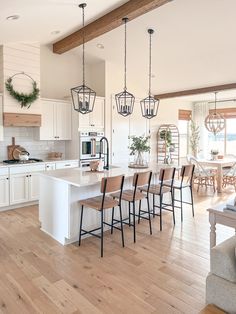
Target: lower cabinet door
33,186
4,191
19,188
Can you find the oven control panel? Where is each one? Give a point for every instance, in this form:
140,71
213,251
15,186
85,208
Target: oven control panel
92,134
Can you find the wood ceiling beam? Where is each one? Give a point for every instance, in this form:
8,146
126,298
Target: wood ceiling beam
108,22
202,90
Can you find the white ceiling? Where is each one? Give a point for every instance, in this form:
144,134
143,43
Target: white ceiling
39,18
193,46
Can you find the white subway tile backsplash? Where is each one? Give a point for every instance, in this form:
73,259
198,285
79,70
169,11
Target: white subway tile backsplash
28,138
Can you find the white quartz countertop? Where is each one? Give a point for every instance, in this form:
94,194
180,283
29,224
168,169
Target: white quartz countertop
84,177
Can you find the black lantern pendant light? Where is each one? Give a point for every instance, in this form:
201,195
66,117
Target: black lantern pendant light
125,100
83,97
149,105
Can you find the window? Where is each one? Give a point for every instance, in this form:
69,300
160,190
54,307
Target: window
225,141
183,137
183,124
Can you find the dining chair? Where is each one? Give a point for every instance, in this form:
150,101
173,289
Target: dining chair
101,203
165,185
202,175
229,177
131,196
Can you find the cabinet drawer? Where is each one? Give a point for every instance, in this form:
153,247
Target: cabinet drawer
28,168
67,164
50,166
4,171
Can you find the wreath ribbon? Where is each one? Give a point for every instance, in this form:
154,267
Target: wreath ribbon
24,99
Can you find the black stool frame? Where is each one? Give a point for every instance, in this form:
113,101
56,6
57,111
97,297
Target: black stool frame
92,232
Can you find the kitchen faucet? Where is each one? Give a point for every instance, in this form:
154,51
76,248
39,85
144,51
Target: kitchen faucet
101,152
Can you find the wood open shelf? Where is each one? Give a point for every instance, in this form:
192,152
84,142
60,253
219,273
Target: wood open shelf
163,149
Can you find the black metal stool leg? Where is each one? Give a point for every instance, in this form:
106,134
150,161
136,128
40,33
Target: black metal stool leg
172,205
191,192
161,212
134,222
112,220
102,233
149,215
153,205
129,215
181,204
139,212
121,227
81,221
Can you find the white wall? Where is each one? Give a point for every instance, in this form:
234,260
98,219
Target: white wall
59,73
96,77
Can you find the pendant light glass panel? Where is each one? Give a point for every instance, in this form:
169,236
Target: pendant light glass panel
125,100
83,97
215,122
149,105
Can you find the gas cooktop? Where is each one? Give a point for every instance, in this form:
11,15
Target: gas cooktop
16,161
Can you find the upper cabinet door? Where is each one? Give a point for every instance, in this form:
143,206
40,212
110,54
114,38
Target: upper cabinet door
47,126
97,116
95,119
63,120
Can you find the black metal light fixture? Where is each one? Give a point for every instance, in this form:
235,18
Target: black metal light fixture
83,97
149,105
125,100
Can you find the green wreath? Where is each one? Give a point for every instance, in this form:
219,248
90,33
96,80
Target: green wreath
24,99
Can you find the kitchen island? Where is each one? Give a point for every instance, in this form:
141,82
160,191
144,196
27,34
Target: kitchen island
60,191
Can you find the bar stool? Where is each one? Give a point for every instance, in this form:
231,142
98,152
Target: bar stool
104,202
186,175
166,177
131,196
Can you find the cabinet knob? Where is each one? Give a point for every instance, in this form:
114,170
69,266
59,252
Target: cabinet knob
7,178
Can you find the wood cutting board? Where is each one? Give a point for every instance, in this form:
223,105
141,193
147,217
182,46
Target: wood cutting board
11,148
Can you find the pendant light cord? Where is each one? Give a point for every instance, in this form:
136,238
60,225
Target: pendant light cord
215,101
125,56
83,52
150,63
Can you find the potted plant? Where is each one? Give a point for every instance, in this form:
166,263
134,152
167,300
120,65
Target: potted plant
166,136
138,146
194,138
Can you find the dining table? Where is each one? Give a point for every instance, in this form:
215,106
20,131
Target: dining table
219,164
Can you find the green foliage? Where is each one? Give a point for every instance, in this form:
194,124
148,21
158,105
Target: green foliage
139,144
24,99
194,137
166,136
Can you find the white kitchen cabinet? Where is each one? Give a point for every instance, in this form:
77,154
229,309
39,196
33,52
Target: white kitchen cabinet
1,118
19,188
33,183
50,166
4,191
95,119
67,164
56,120
24,183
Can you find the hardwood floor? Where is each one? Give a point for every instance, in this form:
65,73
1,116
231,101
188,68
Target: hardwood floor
162,273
